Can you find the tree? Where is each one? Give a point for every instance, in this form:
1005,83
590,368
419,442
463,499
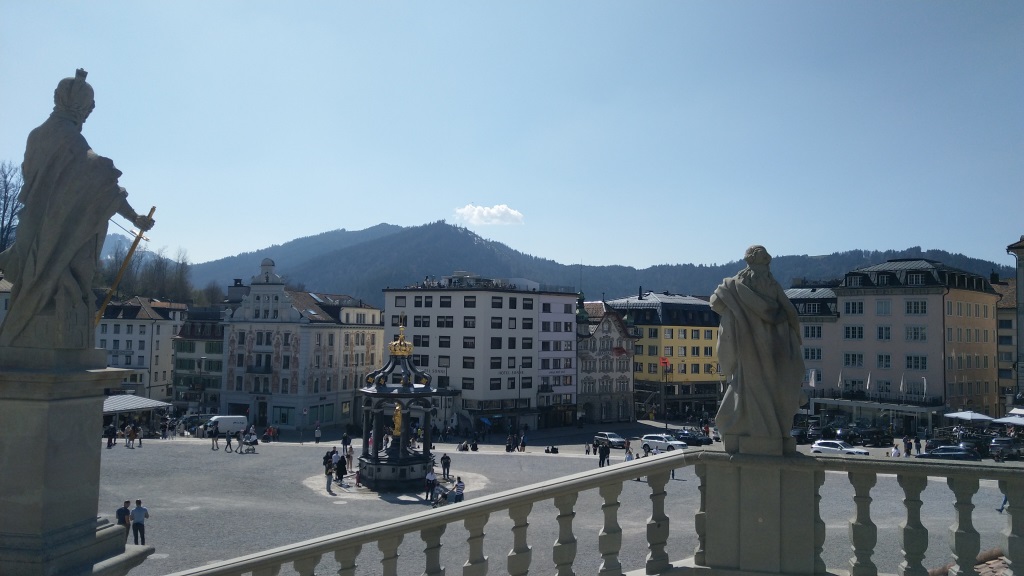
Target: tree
11,182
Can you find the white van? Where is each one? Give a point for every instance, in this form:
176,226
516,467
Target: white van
228,424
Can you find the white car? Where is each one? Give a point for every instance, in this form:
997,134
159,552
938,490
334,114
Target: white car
663,442
836,447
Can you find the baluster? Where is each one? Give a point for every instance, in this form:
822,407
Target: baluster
476,565
346,559
389,554
270,571
521,555
307,566
863,532
564,550
915,535
657,526
609,540
1014,547
819,524
700,518
964,540
432,538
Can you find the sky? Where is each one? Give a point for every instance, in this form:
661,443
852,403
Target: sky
596,133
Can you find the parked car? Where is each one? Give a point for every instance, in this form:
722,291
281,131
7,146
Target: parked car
611,438
876,437
662,442
692,437
979,445
951,453
1010,447
836,447
849,434
799,433
821,433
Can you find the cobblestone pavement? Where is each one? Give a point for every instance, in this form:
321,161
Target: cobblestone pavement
208,506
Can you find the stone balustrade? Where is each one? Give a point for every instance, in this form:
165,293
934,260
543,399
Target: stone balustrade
963,480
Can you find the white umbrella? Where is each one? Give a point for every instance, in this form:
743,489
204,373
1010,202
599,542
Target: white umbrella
1013,420
969,415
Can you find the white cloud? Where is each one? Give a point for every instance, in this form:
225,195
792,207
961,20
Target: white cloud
488,215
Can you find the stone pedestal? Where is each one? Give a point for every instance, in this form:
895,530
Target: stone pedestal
50,457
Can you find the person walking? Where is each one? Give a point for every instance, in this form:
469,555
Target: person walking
446,465
917,444
460,489
316,435
111,436
329,472
227,443
138,433
215,435
1002,506
349,454
430,482
139,516
335,461
123,515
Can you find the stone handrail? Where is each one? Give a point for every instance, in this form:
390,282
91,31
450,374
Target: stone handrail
962,478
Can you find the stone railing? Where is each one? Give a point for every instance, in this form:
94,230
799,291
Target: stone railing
342,549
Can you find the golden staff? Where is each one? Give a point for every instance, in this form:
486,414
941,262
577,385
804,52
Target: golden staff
120,273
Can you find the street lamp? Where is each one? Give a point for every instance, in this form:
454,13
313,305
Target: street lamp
202,388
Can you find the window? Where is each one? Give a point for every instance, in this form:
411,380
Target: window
496,343
682,334
854,307
445,321
916,334
853,359
917,307
495,362
396,320
545,326
445,302
707,351
915,279
469,322
496,301
417,302
527,343
884,361
421,340
512,302
469,301
527,323
527,303
669,335
496,322
567,308
526,362
917,362
884,332
469,362
545,307
695,334
695,351
652,350
853,332
444,341
812,353
667,351
495,383
468,342
399,301
421,321
883,307
708,335
467,384
652,332
511,343
812,331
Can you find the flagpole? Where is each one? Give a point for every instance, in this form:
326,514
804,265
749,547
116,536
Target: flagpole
120,273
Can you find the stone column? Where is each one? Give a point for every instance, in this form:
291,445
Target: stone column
367,420
52,412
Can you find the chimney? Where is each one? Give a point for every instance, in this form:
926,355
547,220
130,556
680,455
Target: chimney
640,293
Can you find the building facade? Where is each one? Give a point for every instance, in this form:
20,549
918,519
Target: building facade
295,359
605,359
675,355
137,335
505,349
901,343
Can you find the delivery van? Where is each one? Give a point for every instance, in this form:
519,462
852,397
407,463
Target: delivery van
228,424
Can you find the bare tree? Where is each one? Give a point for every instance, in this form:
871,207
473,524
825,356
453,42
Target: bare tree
212,294
11,182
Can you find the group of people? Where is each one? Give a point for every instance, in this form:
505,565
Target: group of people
133,520
516,442
910,446
131,433
337,465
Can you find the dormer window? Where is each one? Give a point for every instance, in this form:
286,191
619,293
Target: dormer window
853,281
915,279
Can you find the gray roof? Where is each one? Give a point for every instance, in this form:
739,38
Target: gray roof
130,403
810,293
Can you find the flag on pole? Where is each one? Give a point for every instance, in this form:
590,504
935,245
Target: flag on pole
925,382
901,383
813,378
868,385
839,383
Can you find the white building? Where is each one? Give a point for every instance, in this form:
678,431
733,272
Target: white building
296,359
507,346
137,335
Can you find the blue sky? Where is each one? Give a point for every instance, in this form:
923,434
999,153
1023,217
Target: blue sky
634,133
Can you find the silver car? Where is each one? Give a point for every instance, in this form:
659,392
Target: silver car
663,442
836,447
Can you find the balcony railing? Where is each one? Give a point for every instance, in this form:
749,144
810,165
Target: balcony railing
343,549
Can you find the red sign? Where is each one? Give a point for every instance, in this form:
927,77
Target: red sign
663,361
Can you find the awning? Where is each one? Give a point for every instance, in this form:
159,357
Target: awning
1017,411
1012,420
130,403
485,420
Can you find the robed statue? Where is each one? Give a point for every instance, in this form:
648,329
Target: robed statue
759,349
69,194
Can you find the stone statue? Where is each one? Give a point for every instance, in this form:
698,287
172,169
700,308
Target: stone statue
759,350
69,193
397,431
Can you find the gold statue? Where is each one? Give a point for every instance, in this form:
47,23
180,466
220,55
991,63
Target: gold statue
398,421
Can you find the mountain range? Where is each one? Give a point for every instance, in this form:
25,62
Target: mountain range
362,263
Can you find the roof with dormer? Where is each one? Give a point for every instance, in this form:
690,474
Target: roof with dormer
902,272
665,309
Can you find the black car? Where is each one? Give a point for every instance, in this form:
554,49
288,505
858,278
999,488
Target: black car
951,453
799,433
821,433
849,434
693,438
979,445
876,437
1009,447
